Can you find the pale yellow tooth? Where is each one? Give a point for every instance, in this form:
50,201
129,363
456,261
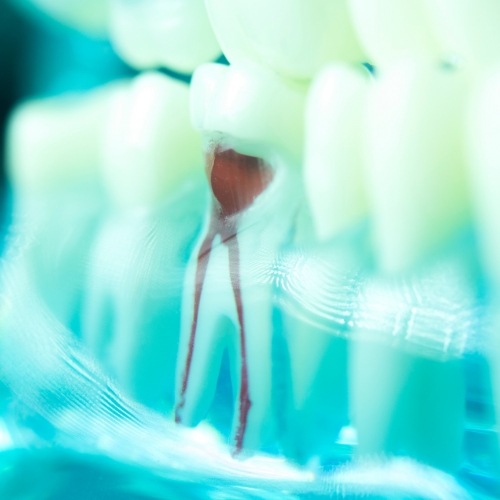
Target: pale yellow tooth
53,142
150,146
333,159
293,37
251,104
468,29
172,33
415,162
391,30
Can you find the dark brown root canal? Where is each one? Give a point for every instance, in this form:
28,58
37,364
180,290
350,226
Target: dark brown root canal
236,181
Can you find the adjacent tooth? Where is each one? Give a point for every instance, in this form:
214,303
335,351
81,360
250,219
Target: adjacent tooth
252,105
391,30
418,191
335,191
333,158
53,158
153,164
90,16
172,33
468,28
228,298
483,137
150,147
293,37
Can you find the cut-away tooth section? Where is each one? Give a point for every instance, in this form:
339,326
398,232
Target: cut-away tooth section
391,30
152,160
90,16
226,303
251,104
333,159
468,29
150,147
315,33
152,33
53,156
417,187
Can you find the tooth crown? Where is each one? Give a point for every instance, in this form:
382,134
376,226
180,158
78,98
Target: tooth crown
293,37
150,146
172,33
251,105
468,29
390,30
56,142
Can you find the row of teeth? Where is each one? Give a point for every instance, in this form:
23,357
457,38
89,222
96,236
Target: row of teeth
413,149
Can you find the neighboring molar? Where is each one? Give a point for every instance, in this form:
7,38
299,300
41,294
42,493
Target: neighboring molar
152,163
152,33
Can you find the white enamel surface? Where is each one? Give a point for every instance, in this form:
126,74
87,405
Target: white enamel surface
415,163
333,158
468,29
172,33
90,16
293,37
150,146
57,141
391,30
250,104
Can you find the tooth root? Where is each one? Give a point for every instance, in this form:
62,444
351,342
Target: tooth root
390,30
333,159
153,33
419,202
151,161
316,34
468,29
147,153
483,139
251,105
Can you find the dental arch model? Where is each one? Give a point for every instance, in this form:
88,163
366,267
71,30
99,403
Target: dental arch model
252,113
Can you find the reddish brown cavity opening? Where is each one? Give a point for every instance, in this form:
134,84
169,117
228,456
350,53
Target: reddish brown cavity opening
236,179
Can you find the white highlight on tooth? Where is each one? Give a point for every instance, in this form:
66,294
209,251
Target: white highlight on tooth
53,142
251,104
468,29
293,37
415,162
150,147
333,167
391,30
172,33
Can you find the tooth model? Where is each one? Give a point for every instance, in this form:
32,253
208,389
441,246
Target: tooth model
416,182
251,121
152,161
54,158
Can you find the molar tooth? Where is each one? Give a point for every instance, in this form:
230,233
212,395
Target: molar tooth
315,32
152,164
251,104
53,156
171,33
419,200
391,30
468,28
